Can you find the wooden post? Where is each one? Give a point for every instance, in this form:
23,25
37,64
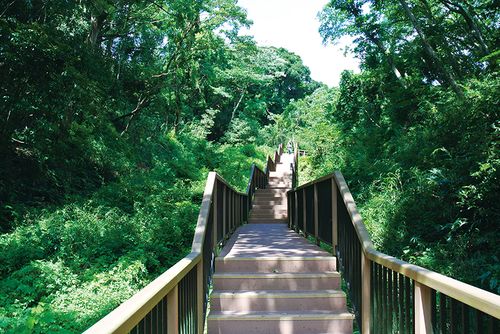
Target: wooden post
365,293
422,304
200,299
296,216
335,224
238,210
173,311
214,216
224,208
304,222
233,206
231,209
316,218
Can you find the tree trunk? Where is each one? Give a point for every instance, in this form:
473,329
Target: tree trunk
447,76
437,30
398,72
471,23
97,22
237,105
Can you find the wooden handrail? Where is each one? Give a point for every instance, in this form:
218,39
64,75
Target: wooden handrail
271,164
123,318
201,224
295,165
197,264
425,280
482,300
253,170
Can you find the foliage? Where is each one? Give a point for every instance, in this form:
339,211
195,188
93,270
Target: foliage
67,265
112,113
427,189
416,132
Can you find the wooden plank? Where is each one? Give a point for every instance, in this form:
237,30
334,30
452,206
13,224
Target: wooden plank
214,219
482,300
316,218
199,234
304,222
123,318
200,298
227,184
335,223
422,309
173,311
224,213
365,294
296,223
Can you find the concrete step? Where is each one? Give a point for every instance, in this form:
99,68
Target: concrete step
258,215
279,179
277,281
258,219
275,264
280,193
268,191
272,210
270,200
279,322
284,301
269,207
280,202
266,221
270,197
281,173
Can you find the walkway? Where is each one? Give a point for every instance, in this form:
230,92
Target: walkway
269,279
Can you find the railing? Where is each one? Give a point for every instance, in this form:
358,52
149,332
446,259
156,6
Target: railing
176,302
388,295
271,162
295,166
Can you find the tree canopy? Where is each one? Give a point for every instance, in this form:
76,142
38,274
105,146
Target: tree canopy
112,113
416,132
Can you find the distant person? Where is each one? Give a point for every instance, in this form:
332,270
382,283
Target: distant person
289,147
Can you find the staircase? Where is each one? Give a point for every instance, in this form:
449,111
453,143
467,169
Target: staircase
270,205
268,279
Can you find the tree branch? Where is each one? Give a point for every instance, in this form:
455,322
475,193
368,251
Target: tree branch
7,8
140,104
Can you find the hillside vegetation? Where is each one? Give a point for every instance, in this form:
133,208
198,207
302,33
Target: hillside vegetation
112,115
113,112
416,133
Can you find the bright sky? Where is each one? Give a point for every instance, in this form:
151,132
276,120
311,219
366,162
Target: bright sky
293,25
